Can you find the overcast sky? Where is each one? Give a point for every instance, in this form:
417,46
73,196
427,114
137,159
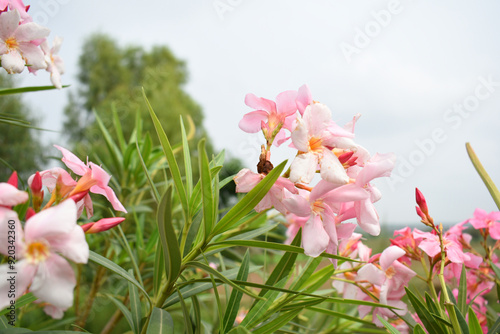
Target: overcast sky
424,75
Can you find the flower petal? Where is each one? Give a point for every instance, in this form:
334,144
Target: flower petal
10,195
246,180
389,255
259,103
304,98
251,122
314,237
367,217
371,274
25,274
331,168
73,162
303,167
9,221
55,222
285,103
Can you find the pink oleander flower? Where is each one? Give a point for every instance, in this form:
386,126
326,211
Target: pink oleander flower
431,246
55,64
102,225
95,174
392,275
321,232
274,115
11,196
47,235
246,180
19,5
304,98
490,221
313,137
16,47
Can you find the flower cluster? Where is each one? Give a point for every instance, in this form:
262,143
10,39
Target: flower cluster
384,276
321,147
38,250
24,43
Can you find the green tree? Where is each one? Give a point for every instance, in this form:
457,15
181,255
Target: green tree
20,147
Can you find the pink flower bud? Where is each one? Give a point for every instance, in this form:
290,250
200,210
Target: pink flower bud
102,225
30,213
13,179
420,213
344,157
421,201
36,184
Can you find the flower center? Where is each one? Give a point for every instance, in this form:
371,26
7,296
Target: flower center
11,43
315,144
390,272
317,207
37,251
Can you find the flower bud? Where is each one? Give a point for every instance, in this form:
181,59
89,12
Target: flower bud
13,179
101,225
36,184
421,202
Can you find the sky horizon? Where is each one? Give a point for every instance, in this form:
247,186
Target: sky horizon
425,76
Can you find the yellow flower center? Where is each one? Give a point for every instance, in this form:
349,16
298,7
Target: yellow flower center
390,272
317,207
37,252
11,43
315,144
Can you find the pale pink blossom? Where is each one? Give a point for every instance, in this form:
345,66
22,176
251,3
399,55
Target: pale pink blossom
11,196
392,275
55,64
16,47
431,246
270,115
490,221
313,138
246,180
18,5
96,173
47,235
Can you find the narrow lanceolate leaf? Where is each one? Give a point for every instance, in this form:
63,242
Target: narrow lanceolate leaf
259,310
418,329
495,329
171,251
474,325
462,292
185,312
116,154
431,324
217,274
196,314
306,272
3,323
158,269
461,321
146,172
387,325
135,305
206,189
169,154
234,301
160,322
187,160
275,324
23,300
247,203
117,270
239,330
118,128
492,188
341,315
126,313
7,91
272,245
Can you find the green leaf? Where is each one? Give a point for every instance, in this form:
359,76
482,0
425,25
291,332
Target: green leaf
196,314
116,154
7,91
185,312
234,301
118,128
275,324
168,238
240,330
187,160
126,313
146,172
214,272
206,189
160,322
495,329
169,154
4,323
461,321
307,271
272,245
492,188
259,311
427,319
247,203
158,269
462,292
135,305
342,315
117,270
474,325
418,329
387,325
23,300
